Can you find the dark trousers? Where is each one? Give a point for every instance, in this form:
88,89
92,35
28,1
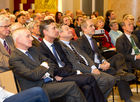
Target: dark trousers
88,85
123,86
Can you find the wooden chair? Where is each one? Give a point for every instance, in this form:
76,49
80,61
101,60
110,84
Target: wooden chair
8,81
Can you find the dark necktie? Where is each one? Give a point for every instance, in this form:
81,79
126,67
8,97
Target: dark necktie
92,44
56,56
29,55
6,47
81,60
136,50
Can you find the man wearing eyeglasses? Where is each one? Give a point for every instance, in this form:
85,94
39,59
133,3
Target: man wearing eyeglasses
6,43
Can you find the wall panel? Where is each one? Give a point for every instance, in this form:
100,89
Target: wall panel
123,7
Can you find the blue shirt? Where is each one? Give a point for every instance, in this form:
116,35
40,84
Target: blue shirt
114,35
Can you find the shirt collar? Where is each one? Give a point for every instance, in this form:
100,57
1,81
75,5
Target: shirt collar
88,37
65,42
35,37
22,50
128,35
2,40
47,43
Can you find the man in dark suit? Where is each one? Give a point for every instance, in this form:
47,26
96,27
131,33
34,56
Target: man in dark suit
105,81
129,45
64,71
32,69
114,66
34,28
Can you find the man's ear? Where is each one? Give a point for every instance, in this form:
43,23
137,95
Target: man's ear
45,31
123,27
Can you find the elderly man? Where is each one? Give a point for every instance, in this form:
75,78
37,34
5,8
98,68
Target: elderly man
115,65
32,69
34,28
129,45
81,61
6,43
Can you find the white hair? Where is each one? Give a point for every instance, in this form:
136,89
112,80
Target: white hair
15,26
49,17
32,24
12,16
3,19
17,33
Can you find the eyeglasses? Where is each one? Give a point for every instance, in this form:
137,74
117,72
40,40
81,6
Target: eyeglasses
6,26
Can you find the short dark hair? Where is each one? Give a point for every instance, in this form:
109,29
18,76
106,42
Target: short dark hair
44,24
18,16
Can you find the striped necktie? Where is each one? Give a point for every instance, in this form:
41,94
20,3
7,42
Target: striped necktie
136,50
6,47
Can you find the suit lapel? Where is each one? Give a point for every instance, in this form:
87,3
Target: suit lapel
3,50
65,48
127,40
136,41
47,51
26,58
35,42
87,44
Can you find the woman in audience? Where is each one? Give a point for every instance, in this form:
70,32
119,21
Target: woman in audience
106,40
114,32
78,21
110,15
66,20
58,16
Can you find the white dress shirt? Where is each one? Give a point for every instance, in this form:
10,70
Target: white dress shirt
2,41
49,45
133,52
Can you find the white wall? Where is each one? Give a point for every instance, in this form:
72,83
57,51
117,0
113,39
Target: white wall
93,5
7,4
67,5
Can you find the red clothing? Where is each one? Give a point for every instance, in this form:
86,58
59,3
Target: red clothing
106,41
74,34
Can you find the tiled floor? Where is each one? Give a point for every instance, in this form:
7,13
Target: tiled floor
117,97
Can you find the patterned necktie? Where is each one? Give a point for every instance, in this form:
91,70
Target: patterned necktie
92,44
29,55
81,60
136,50
6,47
40,39
56,56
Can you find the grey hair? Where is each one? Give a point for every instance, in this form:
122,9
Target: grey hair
3,19
32,24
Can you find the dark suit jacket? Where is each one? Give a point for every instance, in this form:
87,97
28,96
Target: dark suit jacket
84,45
137,33
29,73
75,62
67,69
69,73
35,42
124,46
